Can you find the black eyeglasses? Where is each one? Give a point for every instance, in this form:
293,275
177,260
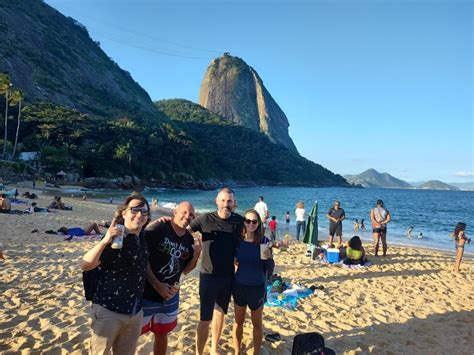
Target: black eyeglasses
135,210
253,221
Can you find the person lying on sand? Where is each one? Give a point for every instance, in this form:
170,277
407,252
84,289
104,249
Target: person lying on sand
79,232
34,208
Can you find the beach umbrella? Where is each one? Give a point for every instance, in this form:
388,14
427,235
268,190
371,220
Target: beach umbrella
311,233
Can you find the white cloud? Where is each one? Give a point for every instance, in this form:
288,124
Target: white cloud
464,174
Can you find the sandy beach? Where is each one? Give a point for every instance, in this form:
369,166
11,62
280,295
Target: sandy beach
408,302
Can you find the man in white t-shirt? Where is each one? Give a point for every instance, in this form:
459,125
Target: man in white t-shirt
262,210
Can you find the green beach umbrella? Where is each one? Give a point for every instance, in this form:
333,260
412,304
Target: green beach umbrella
311,233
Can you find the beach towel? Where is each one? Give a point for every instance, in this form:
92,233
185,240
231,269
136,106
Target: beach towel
288,298
366,265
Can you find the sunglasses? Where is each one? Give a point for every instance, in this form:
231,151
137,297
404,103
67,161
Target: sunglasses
135,210
253,221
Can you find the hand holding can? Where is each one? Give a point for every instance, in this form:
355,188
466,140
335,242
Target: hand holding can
117,243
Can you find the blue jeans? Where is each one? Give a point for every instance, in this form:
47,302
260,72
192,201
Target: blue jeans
300,225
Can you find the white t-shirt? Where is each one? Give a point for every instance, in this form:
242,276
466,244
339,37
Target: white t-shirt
262,210
300,214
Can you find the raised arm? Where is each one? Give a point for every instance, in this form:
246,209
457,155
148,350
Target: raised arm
92,258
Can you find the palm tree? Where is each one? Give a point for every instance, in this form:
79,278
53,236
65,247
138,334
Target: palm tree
4,90
16,97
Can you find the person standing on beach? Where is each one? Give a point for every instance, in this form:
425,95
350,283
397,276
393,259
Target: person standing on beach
172,251
262,209
287,220
273,225
336,215
220,233
117,302
249,287
379,217
461,239
300,214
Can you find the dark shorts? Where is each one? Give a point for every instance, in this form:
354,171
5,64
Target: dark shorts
380,230
252,296
214,293
335,229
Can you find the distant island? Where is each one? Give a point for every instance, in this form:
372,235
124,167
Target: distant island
371,178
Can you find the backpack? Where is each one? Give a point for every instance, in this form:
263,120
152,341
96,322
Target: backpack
90,280
310,343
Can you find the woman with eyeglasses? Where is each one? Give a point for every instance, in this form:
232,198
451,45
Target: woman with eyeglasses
117,306
249,286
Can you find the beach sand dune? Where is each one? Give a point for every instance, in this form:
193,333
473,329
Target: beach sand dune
407,302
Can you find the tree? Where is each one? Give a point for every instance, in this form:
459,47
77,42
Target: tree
16,98
5,90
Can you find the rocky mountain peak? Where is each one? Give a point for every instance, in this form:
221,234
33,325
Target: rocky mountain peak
235,91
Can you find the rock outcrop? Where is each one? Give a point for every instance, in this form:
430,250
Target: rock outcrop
234,90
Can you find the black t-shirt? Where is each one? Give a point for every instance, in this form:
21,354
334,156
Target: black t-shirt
336,214
168,255
220,238
122,276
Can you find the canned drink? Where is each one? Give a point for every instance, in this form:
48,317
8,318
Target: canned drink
118,240
176,285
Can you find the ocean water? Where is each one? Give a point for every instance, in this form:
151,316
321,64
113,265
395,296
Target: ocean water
433,213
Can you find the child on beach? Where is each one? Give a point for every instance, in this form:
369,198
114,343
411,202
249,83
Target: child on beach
409,232
287,219
272,225
34,208
356,224
461,239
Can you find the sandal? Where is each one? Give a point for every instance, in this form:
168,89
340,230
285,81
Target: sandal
272,337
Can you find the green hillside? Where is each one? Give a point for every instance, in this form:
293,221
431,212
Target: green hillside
52,58
235,152
86,115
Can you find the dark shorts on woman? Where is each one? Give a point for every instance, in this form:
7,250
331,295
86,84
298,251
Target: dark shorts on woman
252,296
381,230
214,292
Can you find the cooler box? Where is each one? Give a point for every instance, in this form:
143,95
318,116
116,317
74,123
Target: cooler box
333,255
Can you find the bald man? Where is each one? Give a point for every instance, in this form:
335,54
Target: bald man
220,231
172,251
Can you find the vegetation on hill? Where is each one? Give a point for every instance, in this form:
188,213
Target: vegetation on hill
84,114
191,151
235,152
52,58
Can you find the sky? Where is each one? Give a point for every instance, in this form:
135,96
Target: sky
364,84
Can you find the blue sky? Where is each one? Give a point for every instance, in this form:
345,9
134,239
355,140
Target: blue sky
365,84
